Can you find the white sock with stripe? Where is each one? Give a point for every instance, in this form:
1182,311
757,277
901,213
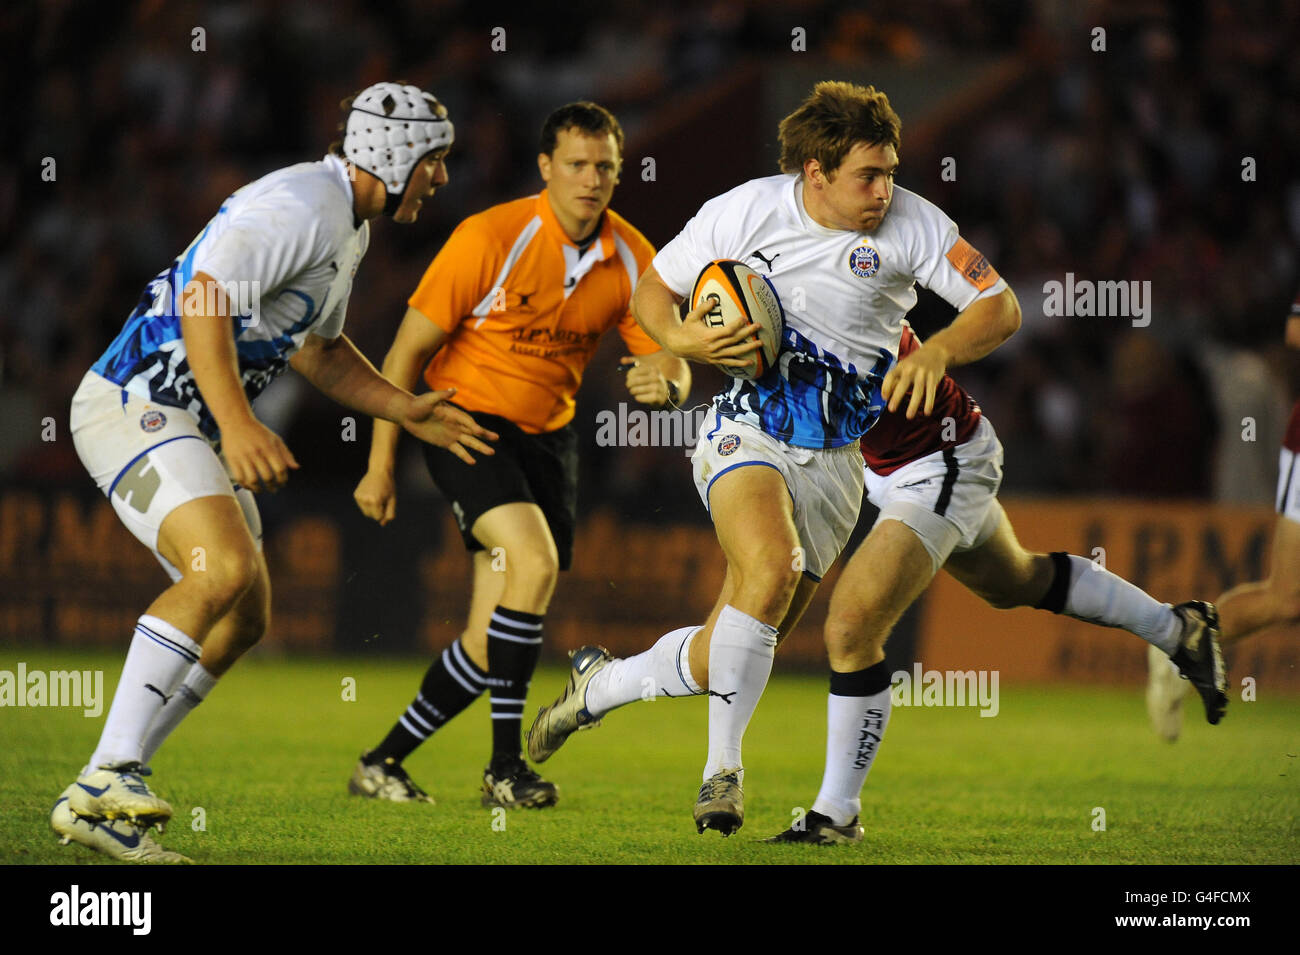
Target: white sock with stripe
194,689
857,712
740,661
1087,591
663,670
159,657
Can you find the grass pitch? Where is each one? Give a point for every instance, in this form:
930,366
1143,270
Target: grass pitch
267,758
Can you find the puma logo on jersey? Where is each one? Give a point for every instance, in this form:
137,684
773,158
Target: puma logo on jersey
758,254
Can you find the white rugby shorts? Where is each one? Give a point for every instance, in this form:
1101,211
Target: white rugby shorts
949,498
148,459
825,485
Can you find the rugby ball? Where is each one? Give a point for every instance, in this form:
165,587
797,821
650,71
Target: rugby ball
739,296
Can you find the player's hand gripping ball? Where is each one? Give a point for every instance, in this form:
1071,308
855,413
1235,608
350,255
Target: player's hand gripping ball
741,296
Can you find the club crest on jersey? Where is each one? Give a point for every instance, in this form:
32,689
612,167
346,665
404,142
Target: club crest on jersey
728,444
864,261
152,421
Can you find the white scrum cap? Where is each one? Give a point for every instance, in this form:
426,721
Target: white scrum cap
390,128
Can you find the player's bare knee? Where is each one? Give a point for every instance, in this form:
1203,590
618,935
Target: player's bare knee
849,651
224,576
855,633
531,575
768,586
254,618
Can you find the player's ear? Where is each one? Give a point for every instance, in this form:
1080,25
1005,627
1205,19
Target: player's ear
544,166
812,170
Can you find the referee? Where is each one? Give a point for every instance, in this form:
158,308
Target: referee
509,314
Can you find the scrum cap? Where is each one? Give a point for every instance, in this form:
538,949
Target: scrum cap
391,127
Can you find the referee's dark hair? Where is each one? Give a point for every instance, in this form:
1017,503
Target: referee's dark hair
590,118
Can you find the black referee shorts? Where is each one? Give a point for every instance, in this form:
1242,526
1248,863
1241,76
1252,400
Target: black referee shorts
539,469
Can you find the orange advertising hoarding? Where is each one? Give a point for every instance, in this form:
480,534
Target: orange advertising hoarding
1174,551
71,575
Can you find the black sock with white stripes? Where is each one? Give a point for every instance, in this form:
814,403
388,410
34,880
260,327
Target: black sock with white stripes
514,644
452,683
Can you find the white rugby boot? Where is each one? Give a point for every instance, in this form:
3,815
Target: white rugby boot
113,837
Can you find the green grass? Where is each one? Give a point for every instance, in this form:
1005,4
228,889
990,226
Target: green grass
268,758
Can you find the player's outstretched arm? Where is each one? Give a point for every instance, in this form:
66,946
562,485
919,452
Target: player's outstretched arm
654,306
257,458
338,370
984,325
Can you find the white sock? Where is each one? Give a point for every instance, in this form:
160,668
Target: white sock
857,712
740,661
193,690
155,664
663,670
1098,596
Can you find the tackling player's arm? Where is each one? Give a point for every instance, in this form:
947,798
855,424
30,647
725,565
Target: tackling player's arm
335,367
418,340
654,305
984,325
257,458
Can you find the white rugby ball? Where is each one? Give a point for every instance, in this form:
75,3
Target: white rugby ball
740,296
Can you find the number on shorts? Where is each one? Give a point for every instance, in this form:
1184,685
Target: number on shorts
138,485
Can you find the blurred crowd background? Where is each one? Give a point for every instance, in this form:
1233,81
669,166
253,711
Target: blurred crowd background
1170,157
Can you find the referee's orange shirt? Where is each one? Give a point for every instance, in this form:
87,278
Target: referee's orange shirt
524,312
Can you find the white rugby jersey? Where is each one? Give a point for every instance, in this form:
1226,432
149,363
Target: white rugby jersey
844,294
285,249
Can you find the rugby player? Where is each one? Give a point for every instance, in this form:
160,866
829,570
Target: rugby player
163,423
844,249
509,313
1251,607
934,471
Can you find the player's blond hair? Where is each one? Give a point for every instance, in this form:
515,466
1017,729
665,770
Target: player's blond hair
834,117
